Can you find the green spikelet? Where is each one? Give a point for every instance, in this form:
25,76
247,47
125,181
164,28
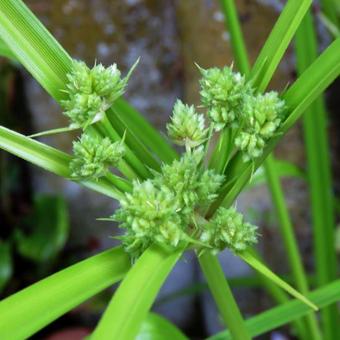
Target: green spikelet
187,127
91,92
93,156
228,230
222,93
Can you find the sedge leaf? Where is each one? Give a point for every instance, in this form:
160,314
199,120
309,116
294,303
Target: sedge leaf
287,312
31,309
135,295
261,268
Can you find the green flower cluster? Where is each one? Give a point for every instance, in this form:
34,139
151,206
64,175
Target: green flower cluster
222,93
187,127
231,102
262,116
93,156
227,229
162,210
91,92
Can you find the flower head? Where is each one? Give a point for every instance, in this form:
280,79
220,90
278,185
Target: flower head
93,156
262,115
91,92
150,215
227,229
187,127
222,93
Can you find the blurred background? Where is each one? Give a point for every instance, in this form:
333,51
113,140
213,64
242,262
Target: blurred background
168,36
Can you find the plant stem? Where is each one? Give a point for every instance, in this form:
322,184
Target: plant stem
242,61
319,177
223,296
290,242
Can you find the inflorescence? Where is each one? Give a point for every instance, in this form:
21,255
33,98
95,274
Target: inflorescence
90,92
168,209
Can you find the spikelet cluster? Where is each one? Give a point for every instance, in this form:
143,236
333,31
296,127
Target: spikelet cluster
93,156
232,103
222,93
187,127
262,116
227,229
90,92
161,210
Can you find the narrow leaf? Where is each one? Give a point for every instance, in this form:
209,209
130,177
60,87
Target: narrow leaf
55,161
287,312
34,307
135,295
260,267
278,41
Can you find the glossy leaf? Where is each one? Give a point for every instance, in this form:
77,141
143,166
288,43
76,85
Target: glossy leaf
261,268
135,295
31,309
287,312
156,327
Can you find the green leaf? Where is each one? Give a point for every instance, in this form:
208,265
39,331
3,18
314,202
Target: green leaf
135,295
6,265
319,175
56,161
260,267
298,97
6,52
48,62
236,36
287,312
50,225
34,46
155,327
277,42
31,309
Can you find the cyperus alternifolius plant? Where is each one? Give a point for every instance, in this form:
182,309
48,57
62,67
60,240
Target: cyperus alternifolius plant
168,209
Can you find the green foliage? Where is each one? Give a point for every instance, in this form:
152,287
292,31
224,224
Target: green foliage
93,156
180,191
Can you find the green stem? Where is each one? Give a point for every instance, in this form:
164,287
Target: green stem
223,296
319,176
289,239
242,61
236,36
